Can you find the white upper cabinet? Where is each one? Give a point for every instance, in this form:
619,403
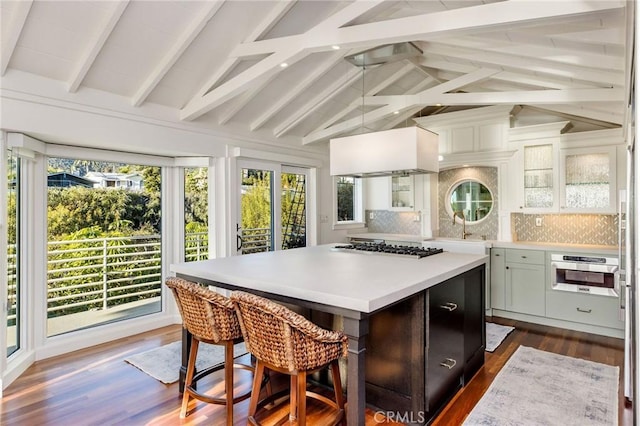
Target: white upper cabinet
397,193
588,179
565,173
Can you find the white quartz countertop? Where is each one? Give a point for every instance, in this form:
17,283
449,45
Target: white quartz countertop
564,247
358,281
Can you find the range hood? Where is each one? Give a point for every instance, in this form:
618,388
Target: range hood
404,151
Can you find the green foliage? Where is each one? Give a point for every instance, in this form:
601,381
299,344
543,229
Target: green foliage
73,209
345,193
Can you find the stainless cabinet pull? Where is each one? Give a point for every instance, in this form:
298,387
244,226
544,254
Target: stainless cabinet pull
586,311
524,257
497,255
449,306
449,363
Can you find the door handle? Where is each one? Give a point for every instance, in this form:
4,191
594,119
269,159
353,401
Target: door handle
238,238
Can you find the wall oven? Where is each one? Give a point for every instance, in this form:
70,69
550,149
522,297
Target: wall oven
586,274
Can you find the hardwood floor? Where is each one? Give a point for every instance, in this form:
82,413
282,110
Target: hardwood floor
96,387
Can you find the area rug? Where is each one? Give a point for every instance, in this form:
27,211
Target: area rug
164,363
540,388
496,333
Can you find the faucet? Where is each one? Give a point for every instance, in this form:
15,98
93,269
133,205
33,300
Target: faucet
460,214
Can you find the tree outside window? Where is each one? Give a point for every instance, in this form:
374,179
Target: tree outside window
346,198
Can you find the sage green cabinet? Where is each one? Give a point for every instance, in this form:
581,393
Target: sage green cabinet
518,281
498,278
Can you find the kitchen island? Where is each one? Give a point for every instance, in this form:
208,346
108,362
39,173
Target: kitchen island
356,286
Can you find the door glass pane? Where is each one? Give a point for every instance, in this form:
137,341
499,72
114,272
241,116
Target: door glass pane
587,180
104,247
196,214
294,223
538,176
13,240
255,232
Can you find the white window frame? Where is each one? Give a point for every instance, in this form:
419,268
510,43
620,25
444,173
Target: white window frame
358,206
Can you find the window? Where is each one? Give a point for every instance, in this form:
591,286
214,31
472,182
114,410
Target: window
196,214
348,201
104,257
13,244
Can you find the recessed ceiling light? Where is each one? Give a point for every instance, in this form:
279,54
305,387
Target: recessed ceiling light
396,112
335,47
440,158
284,65
438,105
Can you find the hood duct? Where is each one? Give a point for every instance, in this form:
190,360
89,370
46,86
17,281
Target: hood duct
404,151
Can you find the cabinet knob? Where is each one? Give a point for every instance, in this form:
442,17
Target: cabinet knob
497,255
507,267
521,207
524,257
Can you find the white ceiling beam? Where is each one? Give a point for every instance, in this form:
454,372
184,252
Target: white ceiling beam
284,99
610,115
101,36
531,97
374,90
531,80
272,18
514,62
316,102
399,118
549,53
284,53
433,97
395,103
351,124
249,78
18,18
241,101
487,17
184,41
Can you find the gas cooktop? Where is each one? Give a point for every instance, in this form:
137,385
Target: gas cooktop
382,248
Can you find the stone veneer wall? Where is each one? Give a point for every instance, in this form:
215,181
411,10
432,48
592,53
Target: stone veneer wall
487,227
392,222
600,229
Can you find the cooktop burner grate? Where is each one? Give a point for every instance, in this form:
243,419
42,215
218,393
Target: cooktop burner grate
382,248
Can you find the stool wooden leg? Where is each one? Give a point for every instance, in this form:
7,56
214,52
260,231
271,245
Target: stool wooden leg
255,390
293,398
302,399
191,368
228,380
337,384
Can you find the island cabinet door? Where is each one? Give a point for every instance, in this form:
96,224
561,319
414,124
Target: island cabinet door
445,341
395,358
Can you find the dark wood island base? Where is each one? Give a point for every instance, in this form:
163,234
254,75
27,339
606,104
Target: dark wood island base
423,349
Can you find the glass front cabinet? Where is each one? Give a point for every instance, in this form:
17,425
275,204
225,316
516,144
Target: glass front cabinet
567,180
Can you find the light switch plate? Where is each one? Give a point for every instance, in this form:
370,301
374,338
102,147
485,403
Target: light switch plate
538,221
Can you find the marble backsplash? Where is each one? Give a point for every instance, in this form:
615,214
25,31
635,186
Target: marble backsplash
392,222
599,229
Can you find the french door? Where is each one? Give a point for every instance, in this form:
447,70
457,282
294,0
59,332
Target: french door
272,213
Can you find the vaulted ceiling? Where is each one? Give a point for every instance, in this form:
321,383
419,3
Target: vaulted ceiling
275,70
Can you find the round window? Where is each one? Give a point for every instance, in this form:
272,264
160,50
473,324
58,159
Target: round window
470,198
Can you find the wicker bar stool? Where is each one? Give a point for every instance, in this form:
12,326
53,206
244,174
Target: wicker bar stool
284,341
211,318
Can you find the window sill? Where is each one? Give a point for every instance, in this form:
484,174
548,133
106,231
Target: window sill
348,225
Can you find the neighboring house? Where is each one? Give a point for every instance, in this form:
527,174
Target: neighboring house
67,180
130,181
